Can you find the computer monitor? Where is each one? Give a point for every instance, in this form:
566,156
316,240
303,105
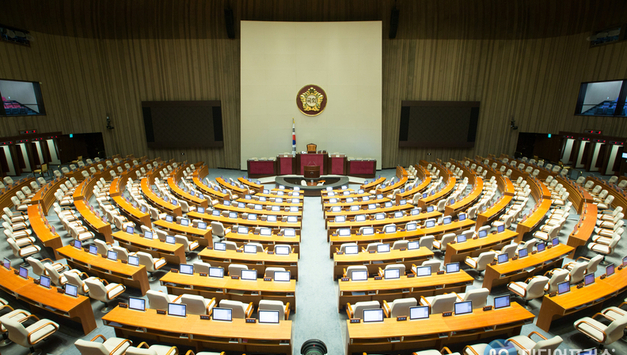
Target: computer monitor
463,308
423,271
111,255
289,232
447,220
502,258
267,316
222,314
359,275
282,276
429,208
281,250
143,209
215,213
280,193
379,196
383,248
500,229
130,230
71,290
425,195
522,253
200,209
390,229
247,197
265,232
625,261
174,202
540,247
216,272
137,304
483,233
292,219
392,274
351,249
452,268
133,260
367,230
219,246
461,216
415,212
563,288
354,208
148,235
170,239
340,219
78,244
344,232
609,270
44,281
185,222
202,225
398,214
420,312
250,275
271,218
177,309
411,226
278,200
241,205
232,214
252,217
93,250
250,249
379,216
365,198
372,206
169,219
588,279
186,269
387,204
258,207
413,245
6,263
373,315
263,198
430,224
333,200
360,218
242,230
501,302
461,238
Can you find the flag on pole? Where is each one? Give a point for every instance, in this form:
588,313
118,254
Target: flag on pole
293,137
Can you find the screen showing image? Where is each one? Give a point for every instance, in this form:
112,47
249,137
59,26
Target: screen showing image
333,200
137,304
522,253
177,309
555,241
130,230
398,214
148,235
359,275
501,302
93,249
625,261
373,315
7,263
271,317
278,200
170,239
202,225
250,275
258,207
174,202
250,249
344,232
388,204
461,238
340,219
201,209
483,233
265,231
415,212
563,287
390,229
391,274
411,226
78,244
280,193
501,228
379,216
271,218
216,272
247,197
290,232
452,268
281,250
71,290
365,198
446,220
372,206
266,191
44,281
169,218
219,246
379,196
215,213
588,279
232,214
383,248
413,245
541,247
186,269
252,217
242,230
423,271
609,270
185,222
351,249
360,218
421,312
133,260
354,208
283,276
461,217
463,308
292,219
263,199
503,258
336,209
429,208
111,255
430,224
367,230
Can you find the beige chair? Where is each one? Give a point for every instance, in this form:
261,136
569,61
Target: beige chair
478,297
197,304
480,262
444,351
187,245
23,252
399,307
111,346
75,279
270,270
218,230
33,334
201,267
525,345
532,288
577,272
599,332
439,303
144,349
556,277
38,265
152,265
357,310
236,269
435,264
349,270
442,243
160,300
104,291
272,305
238,309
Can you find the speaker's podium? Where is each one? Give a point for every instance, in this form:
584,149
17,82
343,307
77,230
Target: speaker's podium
313,163
312,172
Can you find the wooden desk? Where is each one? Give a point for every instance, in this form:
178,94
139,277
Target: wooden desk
77,309
447,190
619,198
93,221
397,185
172,253
259,261
227,222
114,271
379,260
234,208
5,197
46,198
132,212
373,184
328,214
41,230
355,225
584,229
227,288
437,331
579,299
474,247
340,194
285,196
230,186
521,269
463,204
576,194
252,185
178,192
327,205
166,207
272,203
202,334
404,287
534,219
494,211
197,177
202,236
363,240
268,242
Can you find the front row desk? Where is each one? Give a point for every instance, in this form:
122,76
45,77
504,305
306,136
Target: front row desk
333,164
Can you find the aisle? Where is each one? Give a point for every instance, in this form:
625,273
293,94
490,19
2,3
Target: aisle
316,293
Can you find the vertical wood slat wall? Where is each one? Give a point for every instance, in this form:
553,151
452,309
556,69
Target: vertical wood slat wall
523,59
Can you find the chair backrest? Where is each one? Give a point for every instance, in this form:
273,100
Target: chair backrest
400,267
271,270
196,304
121,251
157,300
614,331
400,306
38,267
238,308
17,332
97,289
146,260
236,269
273,305
535,288
593,263
217,228
484,259
443,303
91,347
75,279
510,250
53,274
578,272
479,297
446,238
399,244
427,241
359,307
201,266
435,264
557,278
352,268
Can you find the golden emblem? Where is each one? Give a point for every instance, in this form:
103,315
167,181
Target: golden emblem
311,100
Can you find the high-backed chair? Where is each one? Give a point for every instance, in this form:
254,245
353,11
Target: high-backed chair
111,346
75,279
435,264
271,270
160,300
201,267
556,277
29,336
103,291
599,332
352,268
427,241
23,252
197,304
152,265
526,345
218,230
357,310
272,305
439,303
478,296
144,349
236,269
239,309
399,307
442,243
480,262
38,265
532,288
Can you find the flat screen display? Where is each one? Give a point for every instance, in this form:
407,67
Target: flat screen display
383,248
271,218
169,219
423,271
137,304
540,247
185,222
359,275
170,239
216,272
379,216
555,241
392,274
340,219
360,218
202,225
483,233
266,316
411,226
242,230
265,231
430,224
282,276
415,212
7,263
522,253
281,250
250,249
148,235
501,302
219,246
446,220
501,228
503,258
461,217
351,249
78,244
373,315
463,308
186,269
71,290
133,260
367,230
44,281
344,232
429,208
372,206
252,217
413,245
588,279
421,312
233,215
390,229
201,209
398,214
249,275
177,309
563,288
292,219
387,204
461,238
609,270
93,250
452,268
289,232
111,255
130,230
